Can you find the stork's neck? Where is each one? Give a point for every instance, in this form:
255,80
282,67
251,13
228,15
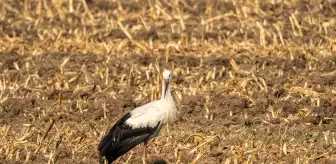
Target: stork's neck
166,96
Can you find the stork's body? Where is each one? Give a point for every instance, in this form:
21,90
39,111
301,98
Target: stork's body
139,125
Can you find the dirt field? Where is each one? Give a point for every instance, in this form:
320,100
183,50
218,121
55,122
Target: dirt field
254,81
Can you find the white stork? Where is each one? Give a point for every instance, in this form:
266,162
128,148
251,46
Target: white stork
139,125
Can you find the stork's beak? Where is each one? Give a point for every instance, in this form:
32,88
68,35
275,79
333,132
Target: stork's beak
166,83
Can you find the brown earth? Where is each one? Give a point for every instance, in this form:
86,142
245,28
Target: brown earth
245,93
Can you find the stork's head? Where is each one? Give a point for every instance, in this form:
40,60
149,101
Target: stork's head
167,75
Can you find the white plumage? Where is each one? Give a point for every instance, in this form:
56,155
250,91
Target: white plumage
140,125
151,114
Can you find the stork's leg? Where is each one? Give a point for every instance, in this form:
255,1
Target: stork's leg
144,158
168,132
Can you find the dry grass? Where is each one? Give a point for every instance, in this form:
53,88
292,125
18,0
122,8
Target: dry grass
254,80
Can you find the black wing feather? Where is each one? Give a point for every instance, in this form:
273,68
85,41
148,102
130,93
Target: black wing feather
106,142
121,138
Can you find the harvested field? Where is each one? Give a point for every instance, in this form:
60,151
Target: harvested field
254,81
